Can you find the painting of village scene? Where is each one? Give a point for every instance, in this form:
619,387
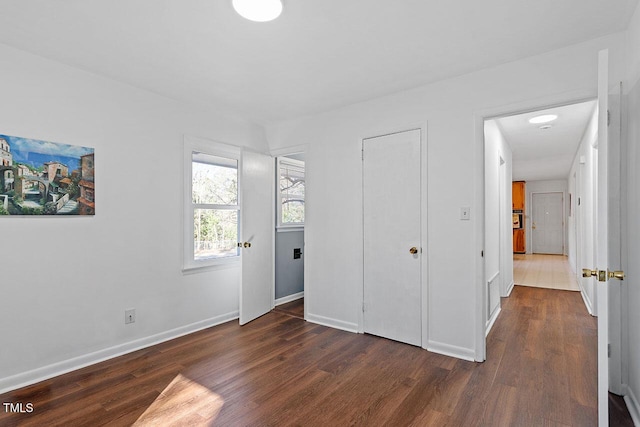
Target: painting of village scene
45,178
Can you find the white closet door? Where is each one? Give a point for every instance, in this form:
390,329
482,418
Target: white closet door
392,247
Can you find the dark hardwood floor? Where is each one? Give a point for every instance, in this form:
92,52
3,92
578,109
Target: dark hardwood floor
619,415
280,371
293,308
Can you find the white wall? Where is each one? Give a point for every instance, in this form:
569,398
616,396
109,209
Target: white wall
67,281
546,186
498,230
585,167
452,109
631,286
68,309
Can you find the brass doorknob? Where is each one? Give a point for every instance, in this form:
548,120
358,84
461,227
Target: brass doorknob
616,275
413,250
247,244
601,274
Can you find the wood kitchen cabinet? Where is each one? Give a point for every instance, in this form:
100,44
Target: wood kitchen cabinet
518,241
517,195
518,199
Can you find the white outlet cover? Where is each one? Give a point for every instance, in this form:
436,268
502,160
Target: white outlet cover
129,316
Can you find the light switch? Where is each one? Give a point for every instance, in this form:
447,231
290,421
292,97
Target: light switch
465,213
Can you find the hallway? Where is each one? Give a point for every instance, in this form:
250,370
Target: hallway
544,271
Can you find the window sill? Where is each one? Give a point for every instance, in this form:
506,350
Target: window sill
221,264
286,228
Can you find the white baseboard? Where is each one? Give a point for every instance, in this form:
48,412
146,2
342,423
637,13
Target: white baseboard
633,406
510,289
289,298
451,350
587,303
492,321
24,379
435,347
332,323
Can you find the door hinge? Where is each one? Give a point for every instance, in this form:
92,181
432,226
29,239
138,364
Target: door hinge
608,117
608,350
362,154
363,307
482,254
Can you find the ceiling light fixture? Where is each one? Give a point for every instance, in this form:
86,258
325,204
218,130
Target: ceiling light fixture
258,10
543,119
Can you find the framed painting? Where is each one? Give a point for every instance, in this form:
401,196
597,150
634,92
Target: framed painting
45,178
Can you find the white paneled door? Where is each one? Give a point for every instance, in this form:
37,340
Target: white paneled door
256,289
547,225
608,268
392,230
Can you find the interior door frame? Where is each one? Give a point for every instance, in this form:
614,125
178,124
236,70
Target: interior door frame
505,239
478,219
574,192
481,292
283,152
424,259
564,218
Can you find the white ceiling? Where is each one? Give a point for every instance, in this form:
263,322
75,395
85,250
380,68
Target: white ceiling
319,55
541,154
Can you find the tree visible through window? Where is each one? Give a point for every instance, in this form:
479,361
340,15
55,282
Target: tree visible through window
291,192
215,206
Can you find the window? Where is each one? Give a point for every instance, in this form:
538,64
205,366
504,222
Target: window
212,208
291,186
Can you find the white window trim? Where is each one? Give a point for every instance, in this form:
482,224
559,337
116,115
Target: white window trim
296,226
288,228
191,145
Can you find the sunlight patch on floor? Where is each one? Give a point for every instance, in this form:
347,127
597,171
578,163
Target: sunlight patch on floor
182,402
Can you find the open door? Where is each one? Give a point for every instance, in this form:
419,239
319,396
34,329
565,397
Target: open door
256,288
607,229
617,182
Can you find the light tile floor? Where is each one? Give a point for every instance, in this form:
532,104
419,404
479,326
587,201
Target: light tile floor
544,271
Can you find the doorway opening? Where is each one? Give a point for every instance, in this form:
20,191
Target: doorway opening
595,176
546,161
289,235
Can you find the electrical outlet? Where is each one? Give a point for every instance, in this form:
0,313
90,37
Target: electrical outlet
130,316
